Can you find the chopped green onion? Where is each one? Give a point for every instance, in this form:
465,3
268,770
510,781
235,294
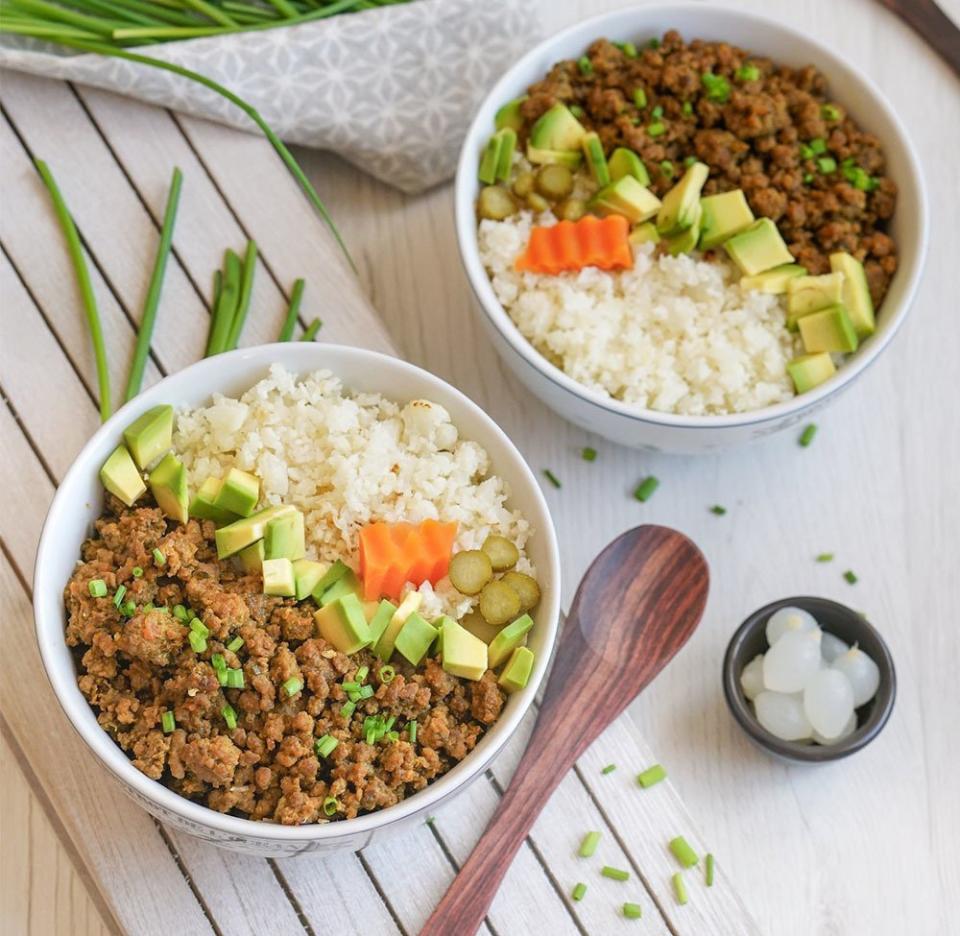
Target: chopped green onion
687,109
589,454
235,679
136,572
371,736
818,146
646,488
610,768
807,178
588,846
806,437
163,609
850,576
806,151
362,674
388,724
325,745
97,588
347,709
387,675
180,613
666,168
235,644
331,806
412,729
615,874
825,557
578,891
168,722
366,692
830,112
632,911
159,558
657,112
710,867
716,86
576,110
585,65
311,331
683,852
198,642
651,776
689,161
654,43
629,49
128,609
827,164
229,716
118,595
292,686
656,129
679,888
718,509
393,735
350,686
640,98
551,477
149,606
198,627
748,72
296,295
218,662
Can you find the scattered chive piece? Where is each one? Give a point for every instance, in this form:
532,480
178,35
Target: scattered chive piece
551,477
97,588
589,454
576,110
366,692
430,820
350,686
806,151
651,776
689,161
710,864
158,557
687,109
197,626
136,571
716,86
325,745
128,609
588,846
412,730
610,768
163,609
806,437
718,509
807,178
615,874
830,112
330,806
683,852
656,129
640,98
180,613
218,662
578,891
657,112
748,73
235,679
312,330
850,576
362,673
827,164
347,709
168,722
629,49
229,716
666,167
585,65
632,911
296,295
226,306
825,557
818,146
646,488
654,43
235,644
392,736
118,595
387,675
198,642
679,888
292,686
149,606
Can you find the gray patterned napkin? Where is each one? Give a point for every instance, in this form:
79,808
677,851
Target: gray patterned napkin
392,90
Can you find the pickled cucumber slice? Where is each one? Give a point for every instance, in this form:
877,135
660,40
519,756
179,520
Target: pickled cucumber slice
499,603
470,571
503,554
554,181
526,587
495,203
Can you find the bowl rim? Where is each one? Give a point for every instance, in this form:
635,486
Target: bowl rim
795,750
49,620
499,319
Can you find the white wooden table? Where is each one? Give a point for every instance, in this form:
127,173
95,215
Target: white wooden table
868,846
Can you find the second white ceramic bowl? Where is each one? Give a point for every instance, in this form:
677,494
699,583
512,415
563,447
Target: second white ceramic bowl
644,428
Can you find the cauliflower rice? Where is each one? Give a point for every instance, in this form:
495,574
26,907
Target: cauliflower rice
345,459
674,334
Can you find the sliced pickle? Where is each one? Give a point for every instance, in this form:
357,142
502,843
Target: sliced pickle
470,570
499,603
571,209
523,184
503,554
526,587
495,203
554,182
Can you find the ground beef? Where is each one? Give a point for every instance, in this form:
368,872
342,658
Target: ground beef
755,139
134,668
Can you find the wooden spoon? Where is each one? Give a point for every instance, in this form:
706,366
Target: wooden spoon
639,602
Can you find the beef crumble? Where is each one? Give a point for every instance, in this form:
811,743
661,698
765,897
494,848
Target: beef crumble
135,666
753,132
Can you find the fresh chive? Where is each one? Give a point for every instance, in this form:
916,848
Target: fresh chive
128,609
168,722
159,558
629,49
718,509
347,709
197,641
827,164
325,745
137,572
656,129
589,454
223,314
653,43
163,609
640,98
615,874
97,588
610,768
710,869
632,911
331,805
646,488
366,692
412,730
243,297
588,846
293,310
82,272
430,820
830,112
657,112
235,679
218,662
689,161
362,673
806,437
576,110
387,674
585,65
818,146
807,178
679,888
578,891
716,86
824,557
392,735
850,576
651,776
311,330
551,477
118,595
229,716
152,302
292,686
350,686
748,72
149,606
235,644
683,852
666,169
180,613
198,627
687,109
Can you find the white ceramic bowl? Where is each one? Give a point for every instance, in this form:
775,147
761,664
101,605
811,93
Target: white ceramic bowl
644,428
78,503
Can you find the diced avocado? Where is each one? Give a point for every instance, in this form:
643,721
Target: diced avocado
626,197
686,240
806,294
283,537
239,492
856,293
644,233
508,143
464,655
509,115
381,619
596,159
241,533
149,436
307,573
547,157
347,584
773,281
724,215
516,674
120,477
278,578
203,505
415,638
557,129
343,624
625,161
330,577
682,203
508,640
168,483
251,557
829,329
760,247
385,645
811,370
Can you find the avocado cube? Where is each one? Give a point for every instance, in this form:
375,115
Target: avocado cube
811,370
516,674
686,240
681,205
149,436
387,640
202,507
546,157
856,292
760,247
479,626
343,624
508,144
241,533
168,483
557,129
806,294
626,197
278,578
775,281
307,572
120,477
283,537
239,492
644,233
625,161
347,584
509,115
330,577
414,639
508,640
380,620
251,557
829,329
596,159
463,654
724,215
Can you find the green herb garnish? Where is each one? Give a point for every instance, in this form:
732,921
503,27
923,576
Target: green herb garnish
168,722
718,510
657,112
830,112
654,43
682,851
118,595
387,675
159,558
806,437
588,846
629,49
656,129
576,110
197,641
640,98
646,488
585,65
610,768
235,644
818,146
666,169
716,86
748,72
825,557
651,775
296,295
687,110
229,716
679,888
551,477
325,745
292,686
851,576
588,454
97,588
632,911
615,874
710,869
311,330
827,164
578,891
412,731
331,806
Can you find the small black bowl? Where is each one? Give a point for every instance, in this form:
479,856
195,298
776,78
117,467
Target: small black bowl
837,619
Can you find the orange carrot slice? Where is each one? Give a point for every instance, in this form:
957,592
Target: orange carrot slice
392,554
573,245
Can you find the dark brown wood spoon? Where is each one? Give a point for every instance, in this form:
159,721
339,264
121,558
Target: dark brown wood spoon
639,602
